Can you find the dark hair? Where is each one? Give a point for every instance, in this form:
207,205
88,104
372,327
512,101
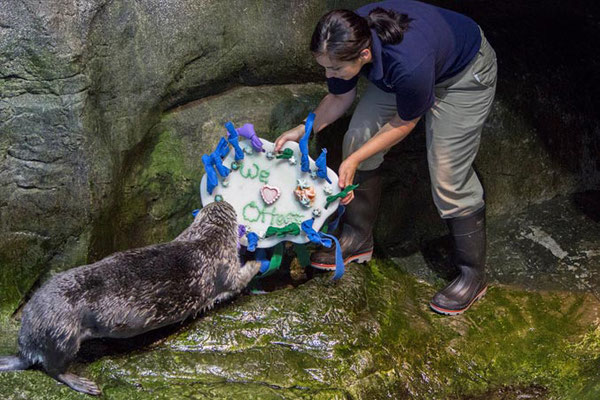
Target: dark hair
343,34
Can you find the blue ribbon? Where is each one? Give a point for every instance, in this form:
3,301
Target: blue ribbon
264,266
214,160
323,238
340,211
195,212
321,164
308,125
252,241
233,140
261,255
339,261
313,235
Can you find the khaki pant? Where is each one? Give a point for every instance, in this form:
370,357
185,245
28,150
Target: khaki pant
453,131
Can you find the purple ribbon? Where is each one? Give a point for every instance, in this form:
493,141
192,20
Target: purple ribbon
241,232
247,131
233,140
214,160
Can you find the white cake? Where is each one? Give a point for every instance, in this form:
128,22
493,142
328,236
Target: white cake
262,191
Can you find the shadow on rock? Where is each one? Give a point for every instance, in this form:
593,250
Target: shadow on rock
588,203
438,256
93,350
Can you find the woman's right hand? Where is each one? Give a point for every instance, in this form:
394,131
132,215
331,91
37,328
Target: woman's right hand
294,134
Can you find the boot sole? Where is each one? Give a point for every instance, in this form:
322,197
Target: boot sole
357,258
445,311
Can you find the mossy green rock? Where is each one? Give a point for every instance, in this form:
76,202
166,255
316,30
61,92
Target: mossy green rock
161,185
370,336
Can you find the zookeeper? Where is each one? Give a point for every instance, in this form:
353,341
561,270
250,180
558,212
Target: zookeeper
421,61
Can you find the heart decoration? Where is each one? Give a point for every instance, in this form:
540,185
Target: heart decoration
270,194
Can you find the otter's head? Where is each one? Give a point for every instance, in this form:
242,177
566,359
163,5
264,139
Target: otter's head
217,219
217,213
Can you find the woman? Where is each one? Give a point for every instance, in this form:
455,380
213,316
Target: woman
421,61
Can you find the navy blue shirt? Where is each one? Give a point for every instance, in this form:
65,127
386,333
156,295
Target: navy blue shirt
438,44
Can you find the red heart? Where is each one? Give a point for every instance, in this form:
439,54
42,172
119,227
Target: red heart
270,194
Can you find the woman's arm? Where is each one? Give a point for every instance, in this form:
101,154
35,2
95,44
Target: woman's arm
332,107
391,133
329,110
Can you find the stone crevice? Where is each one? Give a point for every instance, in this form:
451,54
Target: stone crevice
33,161
33,188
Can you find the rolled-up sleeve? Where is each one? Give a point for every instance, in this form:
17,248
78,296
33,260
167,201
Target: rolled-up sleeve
341,86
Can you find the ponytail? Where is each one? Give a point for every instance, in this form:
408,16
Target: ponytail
389,25
343,34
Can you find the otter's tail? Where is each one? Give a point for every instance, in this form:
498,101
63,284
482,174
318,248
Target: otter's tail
12,363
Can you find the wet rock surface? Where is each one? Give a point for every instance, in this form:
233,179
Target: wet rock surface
371,335
554,245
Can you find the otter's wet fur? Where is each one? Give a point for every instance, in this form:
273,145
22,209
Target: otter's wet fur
131,292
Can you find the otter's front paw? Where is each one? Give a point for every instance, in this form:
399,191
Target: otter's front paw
255,266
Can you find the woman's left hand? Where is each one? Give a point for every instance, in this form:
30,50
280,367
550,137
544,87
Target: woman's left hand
346,177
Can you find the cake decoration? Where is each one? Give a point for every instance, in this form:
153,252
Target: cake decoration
270,194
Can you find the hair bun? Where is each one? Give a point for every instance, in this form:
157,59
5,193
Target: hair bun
389,24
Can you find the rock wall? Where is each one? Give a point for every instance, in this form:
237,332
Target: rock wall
45,204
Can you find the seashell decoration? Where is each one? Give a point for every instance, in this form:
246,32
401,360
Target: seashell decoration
305,194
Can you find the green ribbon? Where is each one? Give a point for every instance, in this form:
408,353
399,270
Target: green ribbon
302,254
340,195
290,229
275,261
285,154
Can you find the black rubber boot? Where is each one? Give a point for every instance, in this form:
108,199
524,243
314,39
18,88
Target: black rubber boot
469,255
356,226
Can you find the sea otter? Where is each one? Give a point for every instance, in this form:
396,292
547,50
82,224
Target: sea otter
131,292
